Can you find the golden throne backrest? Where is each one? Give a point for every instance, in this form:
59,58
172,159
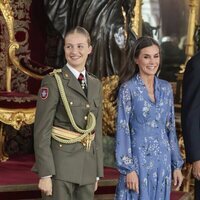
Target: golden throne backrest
13,60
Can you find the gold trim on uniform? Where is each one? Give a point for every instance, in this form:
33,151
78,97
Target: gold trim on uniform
66,135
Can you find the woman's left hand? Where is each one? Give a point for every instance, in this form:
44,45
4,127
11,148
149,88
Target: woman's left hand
177,178
96,186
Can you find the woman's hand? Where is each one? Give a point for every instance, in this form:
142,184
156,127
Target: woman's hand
45,185
177,178
196,169
96,186
132,182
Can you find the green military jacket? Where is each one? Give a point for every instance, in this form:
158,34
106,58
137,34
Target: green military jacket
68,162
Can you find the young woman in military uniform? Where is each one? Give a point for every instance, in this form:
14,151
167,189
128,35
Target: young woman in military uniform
68,126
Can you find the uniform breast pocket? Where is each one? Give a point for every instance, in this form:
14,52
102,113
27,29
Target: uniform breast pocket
76,107
75,104
73,101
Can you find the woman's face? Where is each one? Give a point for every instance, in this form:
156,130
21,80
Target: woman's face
148,60
77,50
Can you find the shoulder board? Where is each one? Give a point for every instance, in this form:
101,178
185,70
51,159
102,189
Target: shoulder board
92,75
55,71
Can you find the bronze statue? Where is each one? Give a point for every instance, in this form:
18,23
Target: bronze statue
108,22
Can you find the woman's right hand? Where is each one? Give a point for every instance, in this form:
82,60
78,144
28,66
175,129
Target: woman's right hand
132,181
45,185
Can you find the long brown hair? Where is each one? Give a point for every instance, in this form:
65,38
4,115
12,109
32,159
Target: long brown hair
130,67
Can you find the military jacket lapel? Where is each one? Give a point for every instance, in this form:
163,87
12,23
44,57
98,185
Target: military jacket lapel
72,82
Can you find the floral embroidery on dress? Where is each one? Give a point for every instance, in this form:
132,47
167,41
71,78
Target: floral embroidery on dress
146,140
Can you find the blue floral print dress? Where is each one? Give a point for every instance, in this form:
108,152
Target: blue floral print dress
146,140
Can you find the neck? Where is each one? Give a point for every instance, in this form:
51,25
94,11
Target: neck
80,69
148,81
77,68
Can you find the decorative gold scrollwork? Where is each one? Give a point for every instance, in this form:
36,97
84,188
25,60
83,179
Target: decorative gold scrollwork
17,117
109,107
8,16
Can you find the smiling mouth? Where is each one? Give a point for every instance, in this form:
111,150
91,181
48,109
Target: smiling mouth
151,67
74,57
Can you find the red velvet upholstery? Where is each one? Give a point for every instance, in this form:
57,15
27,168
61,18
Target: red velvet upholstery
17,100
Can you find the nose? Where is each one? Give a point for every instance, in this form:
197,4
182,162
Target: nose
151,60
74,49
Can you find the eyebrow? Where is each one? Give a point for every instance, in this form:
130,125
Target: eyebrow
146,54
75,44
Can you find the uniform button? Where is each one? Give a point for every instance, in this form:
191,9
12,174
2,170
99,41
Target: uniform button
71,103
85,117
60,145
87,105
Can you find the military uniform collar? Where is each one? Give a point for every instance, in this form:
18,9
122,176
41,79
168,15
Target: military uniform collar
75,72
72,82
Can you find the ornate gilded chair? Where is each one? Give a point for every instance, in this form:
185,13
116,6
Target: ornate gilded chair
17,106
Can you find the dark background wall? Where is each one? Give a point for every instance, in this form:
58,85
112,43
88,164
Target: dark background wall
174,15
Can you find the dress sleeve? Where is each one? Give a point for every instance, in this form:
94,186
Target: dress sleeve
125,161
177,160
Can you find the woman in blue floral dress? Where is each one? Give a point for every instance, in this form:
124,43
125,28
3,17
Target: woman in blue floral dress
147,151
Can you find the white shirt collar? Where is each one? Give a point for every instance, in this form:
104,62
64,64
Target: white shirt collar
75,72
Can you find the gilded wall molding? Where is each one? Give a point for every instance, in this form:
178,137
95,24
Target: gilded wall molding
191,28
137,20
193,6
